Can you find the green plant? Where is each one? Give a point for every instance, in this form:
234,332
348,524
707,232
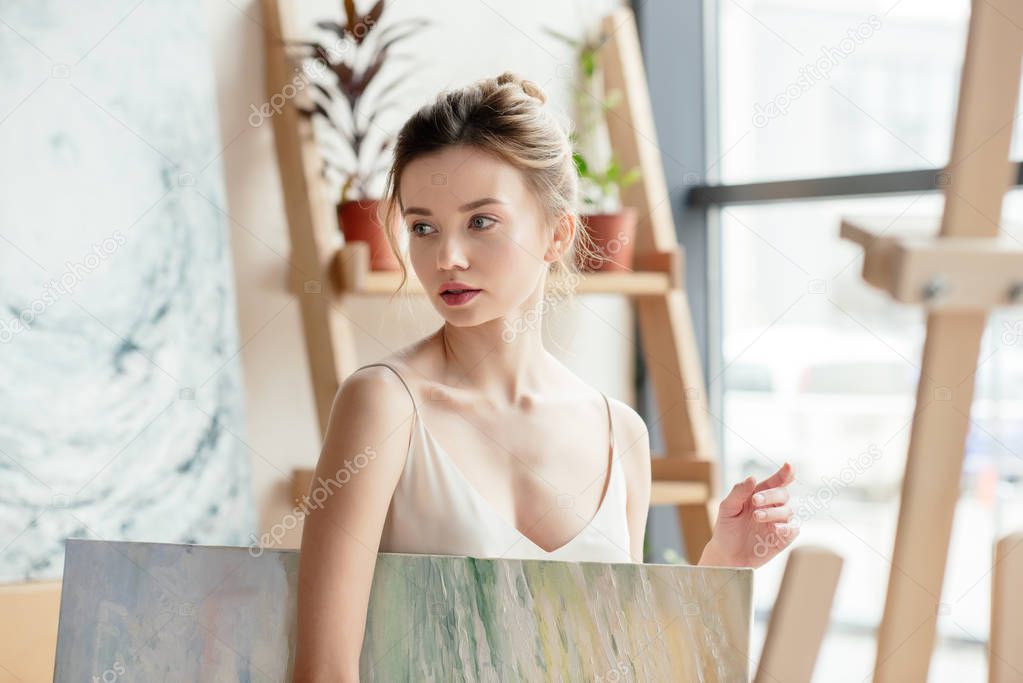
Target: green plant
608,183
601,183
354,96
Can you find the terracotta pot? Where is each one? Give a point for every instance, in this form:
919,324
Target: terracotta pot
358,222
614,235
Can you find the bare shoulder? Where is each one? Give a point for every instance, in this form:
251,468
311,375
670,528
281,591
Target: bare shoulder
627,421
370,377
371,408
373,392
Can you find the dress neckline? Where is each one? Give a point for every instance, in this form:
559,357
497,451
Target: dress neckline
482,500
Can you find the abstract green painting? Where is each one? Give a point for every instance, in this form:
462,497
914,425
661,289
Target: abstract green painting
171,612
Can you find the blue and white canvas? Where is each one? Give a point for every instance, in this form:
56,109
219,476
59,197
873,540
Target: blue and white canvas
166,612
120,384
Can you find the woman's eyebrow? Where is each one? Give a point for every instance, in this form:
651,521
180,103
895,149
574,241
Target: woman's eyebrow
465,207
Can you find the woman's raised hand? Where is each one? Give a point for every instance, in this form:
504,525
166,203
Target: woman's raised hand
753,523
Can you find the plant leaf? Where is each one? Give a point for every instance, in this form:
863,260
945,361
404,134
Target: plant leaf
588,59
351,16
613,170
612,99
631,177
580,163
398,38
394,82
401,25
368,20
562,37
334,27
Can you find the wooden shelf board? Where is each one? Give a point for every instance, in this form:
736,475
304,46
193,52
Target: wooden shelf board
352,275
678,493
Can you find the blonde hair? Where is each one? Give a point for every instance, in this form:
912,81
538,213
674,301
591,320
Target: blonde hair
505,117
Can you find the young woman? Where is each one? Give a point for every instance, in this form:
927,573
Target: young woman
476,440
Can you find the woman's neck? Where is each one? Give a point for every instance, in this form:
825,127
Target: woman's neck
495,359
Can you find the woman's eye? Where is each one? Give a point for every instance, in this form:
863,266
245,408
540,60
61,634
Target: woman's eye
478,223
481,218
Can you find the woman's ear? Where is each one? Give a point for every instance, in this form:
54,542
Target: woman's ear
564,231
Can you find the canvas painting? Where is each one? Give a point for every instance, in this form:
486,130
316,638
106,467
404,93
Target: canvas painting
121,381
175,612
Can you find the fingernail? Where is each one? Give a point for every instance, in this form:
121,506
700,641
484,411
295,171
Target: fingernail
758,499
761,514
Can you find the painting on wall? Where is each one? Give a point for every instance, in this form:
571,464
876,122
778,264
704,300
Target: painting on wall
175,612
120,385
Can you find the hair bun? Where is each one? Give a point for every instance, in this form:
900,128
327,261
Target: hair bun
528,87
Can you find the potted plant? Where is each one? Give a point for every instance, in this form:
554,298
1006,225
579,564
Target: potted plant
350,100
611,226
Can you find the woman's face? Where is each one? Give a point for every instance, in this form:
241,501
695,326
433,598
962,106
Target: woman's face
472,219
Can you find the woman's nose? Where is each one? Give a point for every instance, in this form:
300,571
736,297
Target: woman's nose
452,254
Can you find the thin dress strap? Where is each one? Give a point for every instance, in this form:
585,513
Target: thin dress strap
415,407
610,426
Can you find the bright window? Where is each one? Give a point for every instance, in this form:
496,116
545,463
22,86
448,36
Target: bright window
819,368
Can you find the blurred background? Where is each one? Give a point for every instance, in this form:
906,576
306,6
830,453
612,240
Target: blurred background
153,377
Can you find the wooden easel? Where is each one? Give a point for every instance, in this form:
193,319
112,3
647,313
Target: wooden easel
324,273
959,274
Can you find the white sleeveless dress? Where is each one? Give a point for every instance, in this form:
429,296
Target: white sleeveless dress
435,510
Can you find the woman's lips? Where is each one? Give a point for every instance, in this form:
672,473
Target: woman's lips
459,298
